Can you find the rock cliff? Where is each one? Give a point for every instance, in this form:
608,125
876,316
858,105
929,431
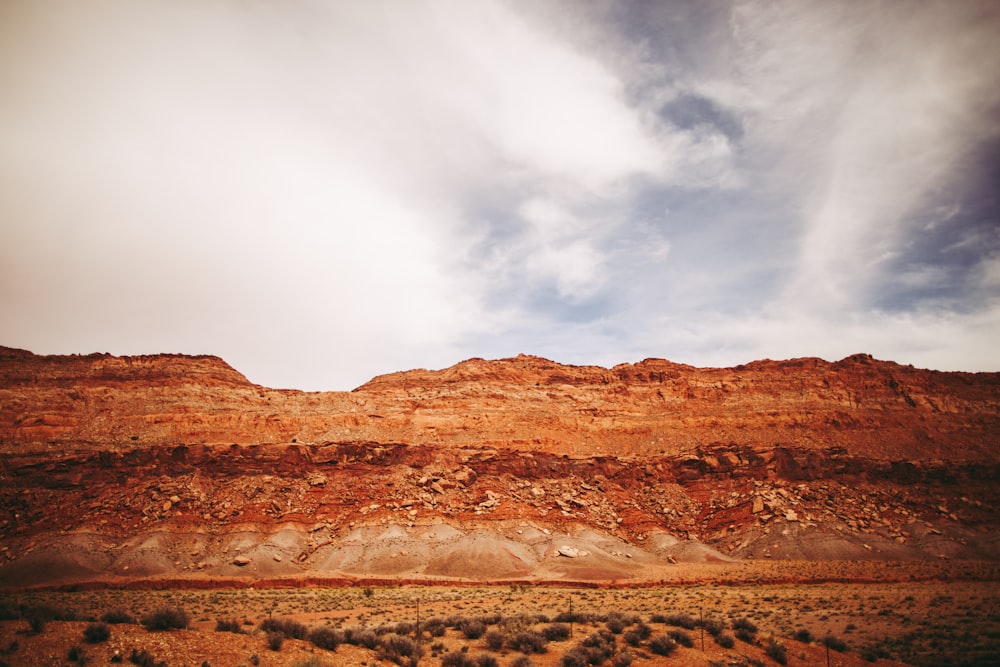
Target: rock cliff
170,465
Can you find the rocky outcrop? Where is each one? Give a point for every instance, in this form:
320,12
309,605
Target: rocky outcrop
876,409
760,506
660,463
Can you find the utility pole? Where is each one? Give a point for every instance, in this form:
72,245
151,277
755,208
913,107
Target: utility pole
570,614
417,631
701,626
827,644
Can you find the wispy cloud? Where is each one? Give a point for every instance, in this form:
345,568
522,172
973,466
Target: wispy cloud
876,107
322,192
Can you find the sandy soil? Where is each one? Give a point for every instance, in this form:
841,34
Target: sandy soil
945,621
222,649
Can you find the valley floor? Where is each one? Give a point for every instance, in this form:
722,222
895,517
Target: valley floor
951,619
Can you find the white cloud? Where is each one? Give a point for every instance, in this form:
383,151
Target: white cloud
869,110
988,273
554,111
560,248
320,192
289,172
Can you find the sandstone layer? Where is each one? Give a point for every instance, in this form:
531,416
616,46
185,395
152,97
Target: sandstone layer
522,468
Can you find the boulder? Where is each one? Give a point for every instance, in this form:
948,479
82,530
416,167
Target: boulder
571,552
466,477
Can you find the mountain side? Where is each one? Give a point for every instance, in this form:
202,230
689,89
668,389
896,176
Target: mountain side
877,409
522,468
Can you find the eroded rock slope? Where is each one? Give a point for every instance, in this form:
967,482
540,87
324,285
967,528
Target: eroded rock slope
168,465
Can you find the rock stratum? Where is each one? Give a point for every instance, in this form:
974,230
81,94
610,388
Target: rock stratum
172,467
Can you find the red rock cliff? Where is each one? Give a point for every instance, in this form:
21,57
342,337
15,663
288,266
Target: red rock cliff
174,465
873,408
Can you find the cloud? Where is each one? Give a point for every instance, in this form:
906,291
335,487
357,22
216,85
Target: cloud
320,192
988,273
293,171
877,107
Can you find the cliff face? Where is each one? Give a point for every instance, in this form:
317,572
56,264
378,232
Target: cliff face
873,408
176,465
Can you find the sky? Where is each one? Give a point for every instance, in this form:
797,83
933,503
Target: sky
323,191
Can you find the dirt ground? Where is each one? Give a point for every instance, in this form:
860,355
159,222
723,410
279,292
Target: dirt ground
220,649
946,621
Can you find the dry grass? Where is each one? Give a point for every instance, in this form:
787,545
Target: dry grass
923,623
